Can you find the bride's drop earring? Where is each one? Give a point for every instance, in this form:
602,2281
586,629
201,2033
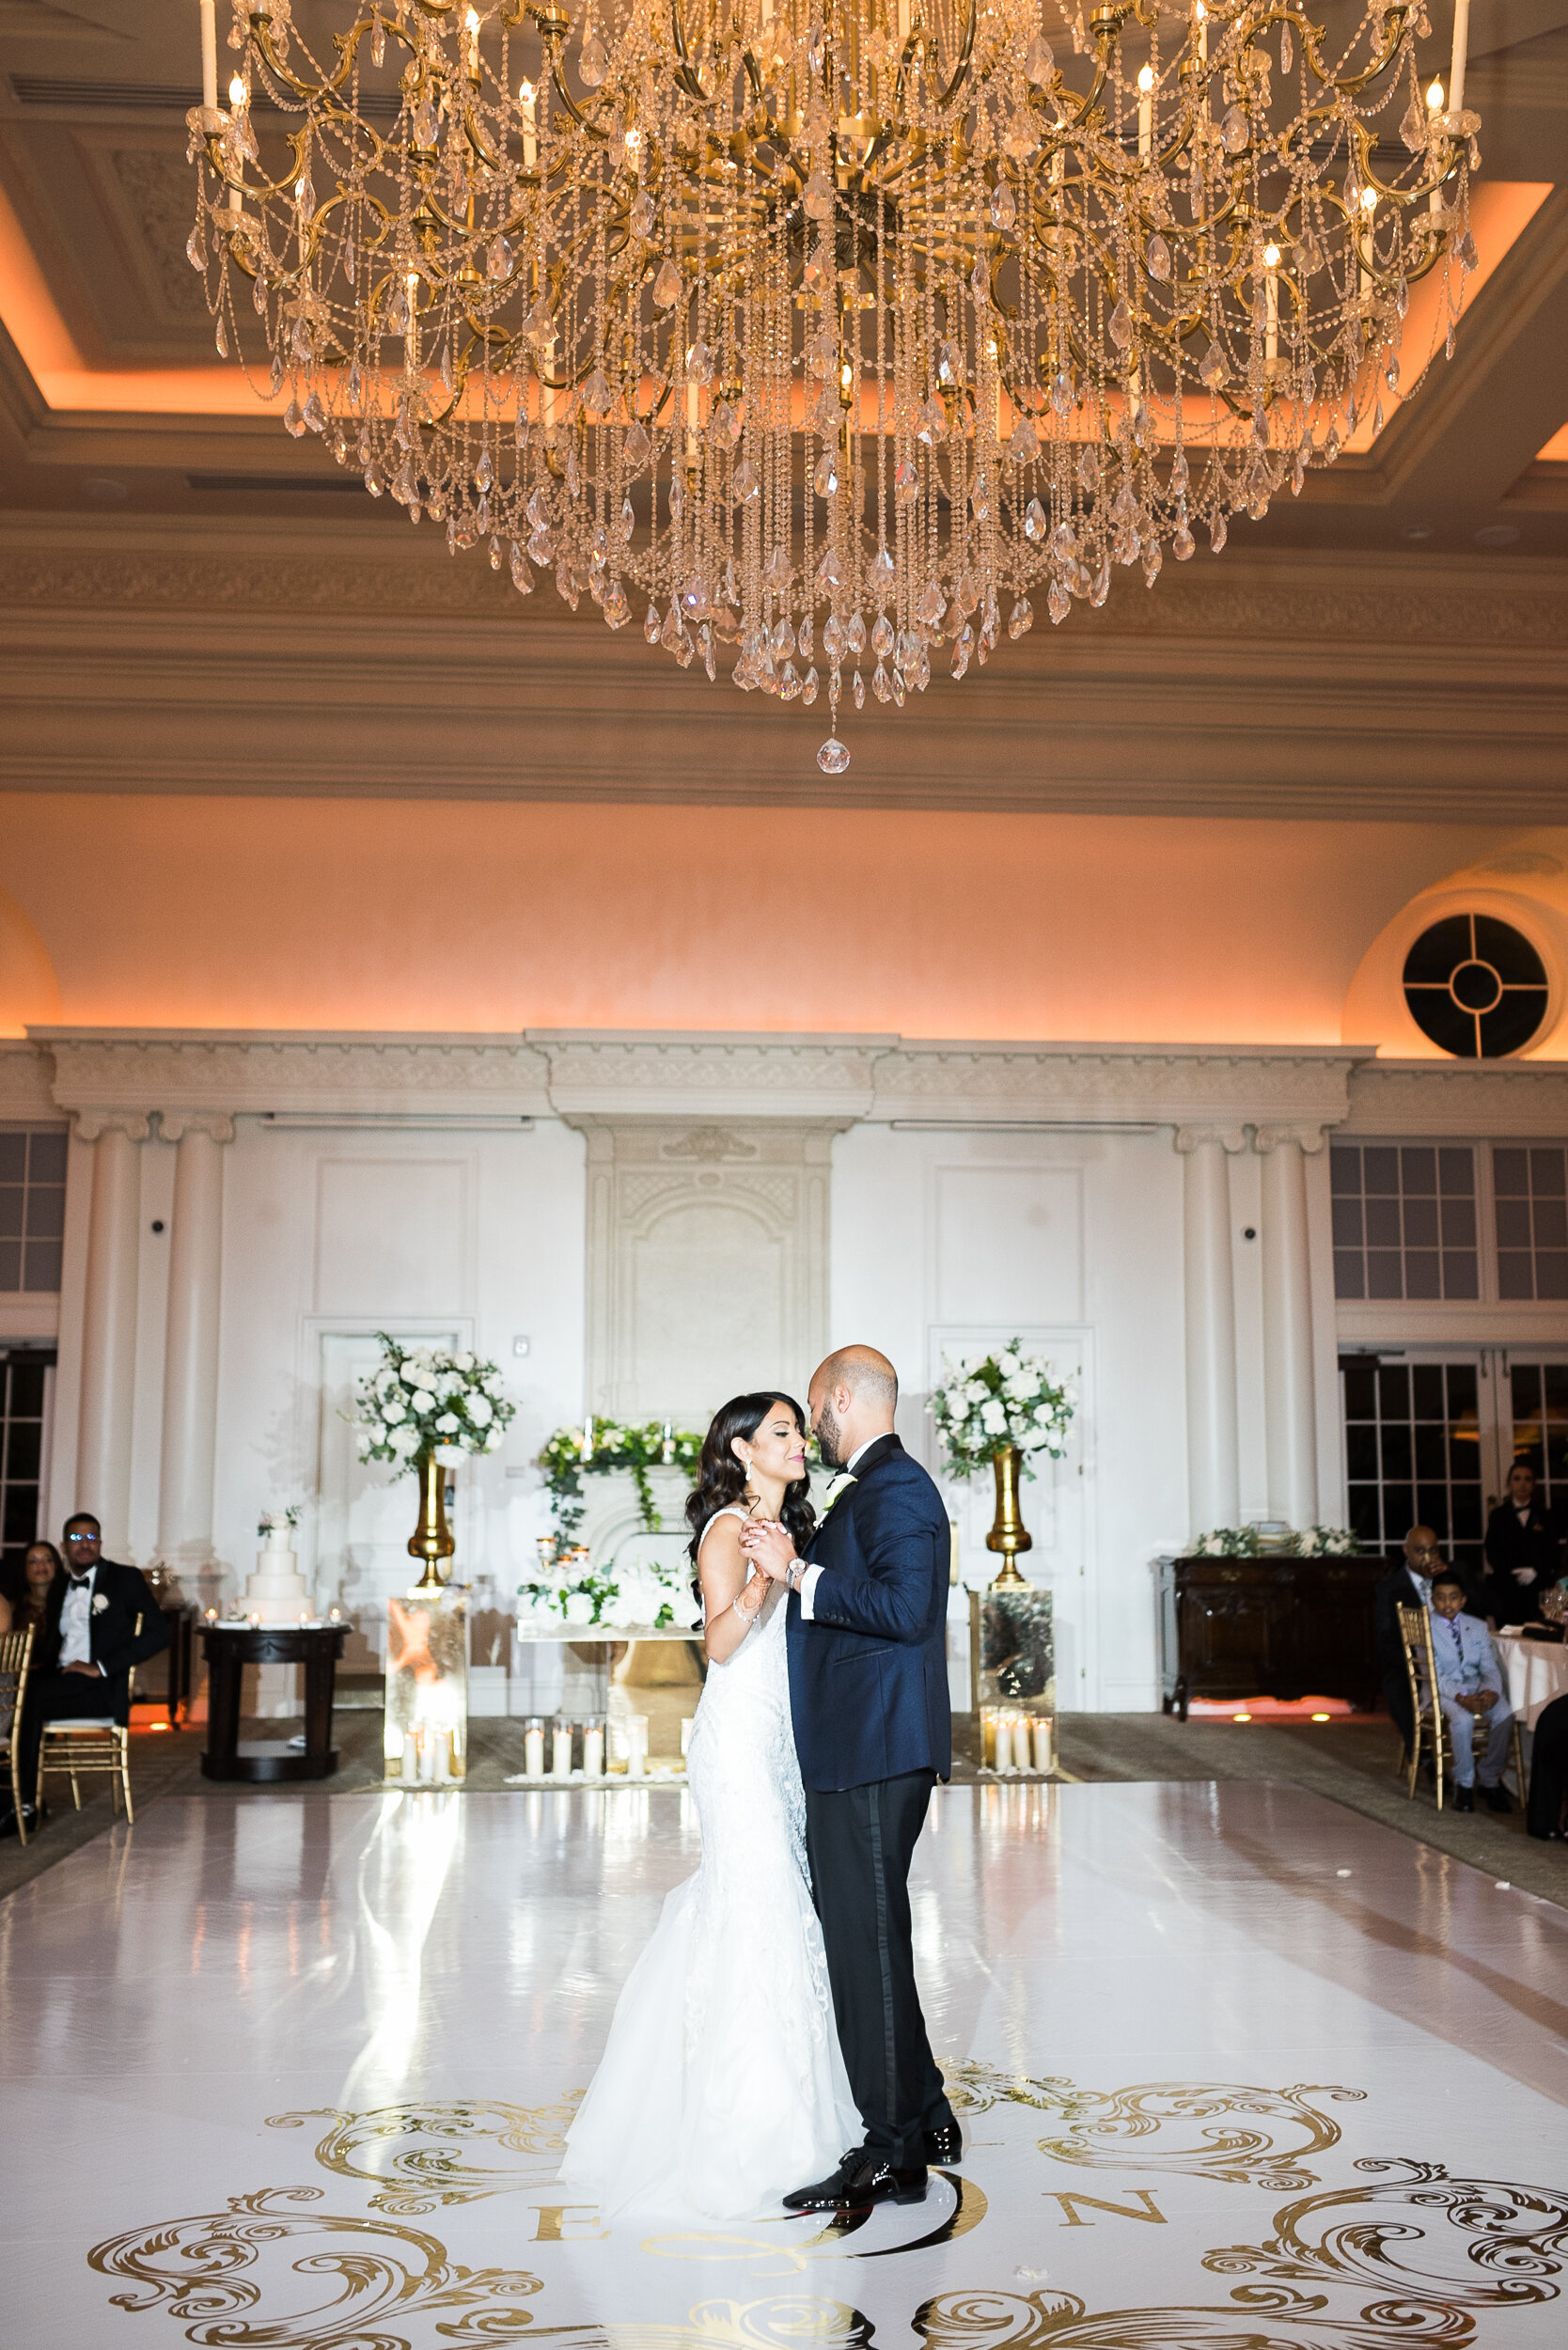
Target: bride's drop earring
748,1491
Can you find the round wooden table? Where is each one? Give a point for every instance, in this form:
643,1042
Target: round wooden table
229,1649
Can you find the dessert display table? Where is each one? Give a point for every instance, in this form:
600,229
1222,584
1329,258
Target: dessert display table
229,1649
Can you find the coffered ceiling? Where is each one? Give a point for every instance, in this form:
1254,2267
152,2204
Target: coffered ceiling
1392,641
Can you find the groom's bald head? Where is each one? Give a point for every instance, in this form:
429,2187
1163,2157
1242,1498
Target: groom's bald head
853,1397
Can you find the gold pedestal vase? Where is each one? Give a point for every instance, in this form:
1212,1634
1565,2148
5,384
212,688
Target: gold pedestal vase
432,1539
1008,1534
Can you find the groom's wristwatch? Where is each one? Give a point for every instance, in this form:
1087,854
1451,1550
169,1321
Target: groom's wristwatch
794,1575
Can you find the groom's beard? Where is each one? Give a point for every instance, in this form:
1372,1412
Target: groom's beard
830,1438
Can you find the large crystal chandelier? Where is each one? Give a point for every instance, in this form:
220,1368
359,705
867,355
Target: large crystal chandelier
826,333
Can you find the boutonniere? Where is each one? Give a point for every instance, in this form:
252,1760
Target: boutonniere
841,1485
99,1602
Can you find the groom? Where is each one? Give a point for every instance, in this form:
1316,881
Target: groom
869,1695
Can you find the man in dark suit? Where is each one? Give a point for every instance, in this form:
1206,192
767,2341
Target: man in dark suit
867,1634
1408,1585
101,1622
1521,1552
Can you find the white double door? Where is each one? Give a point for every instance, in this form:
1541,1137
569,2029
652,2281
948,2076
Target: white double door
1431,1432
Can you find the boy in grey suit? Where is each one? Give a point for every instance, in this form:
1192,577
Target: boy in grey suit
1470,1687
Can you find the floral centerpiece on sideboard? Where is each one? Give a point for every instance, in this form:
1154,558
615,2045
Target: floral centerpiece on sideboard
423,1408
1005,1409
1247,1542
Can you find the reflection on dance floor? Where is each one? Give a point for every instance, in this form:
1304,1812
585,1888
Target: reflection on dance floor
1234,2068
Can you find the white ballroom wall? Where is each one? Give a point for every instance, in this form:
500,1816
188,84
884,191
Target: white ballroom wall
1097,1200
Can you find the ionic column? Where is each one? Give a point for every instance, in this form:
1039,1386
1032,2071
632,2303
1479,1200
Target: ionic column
1289,1399
1213,1484
107,1413
191,1342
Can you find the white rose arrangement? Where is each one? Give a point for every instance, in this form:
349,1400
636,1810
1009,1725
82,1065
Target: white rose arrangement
425,1400
987,1403
570,1590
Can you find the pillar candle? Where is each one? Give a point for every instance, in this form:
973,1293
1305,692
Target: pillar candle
533,1750
411,1756
1042,1742
636,1752
426,1756
1004,1743
593,1751
561,1751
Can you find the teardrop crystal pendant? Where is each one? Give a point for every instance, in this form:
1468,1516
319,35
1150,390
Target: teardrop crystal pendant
834,757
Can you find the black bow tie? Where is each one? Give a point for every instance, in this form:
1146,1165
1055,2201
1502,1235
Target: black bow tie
79,1582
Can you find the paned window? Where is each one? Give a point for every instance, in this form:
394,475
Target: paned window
1476,987
1540,1406
1531,1188
32,1207
1412,1454
1405,1221
23,1389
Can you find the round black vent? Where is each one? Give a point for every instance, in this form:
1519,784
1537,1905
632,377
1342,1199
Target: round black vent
1476,987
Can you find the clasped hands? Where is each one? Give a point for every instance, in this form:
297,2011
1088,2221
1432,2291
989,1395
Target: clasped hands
1477,1700
769,1548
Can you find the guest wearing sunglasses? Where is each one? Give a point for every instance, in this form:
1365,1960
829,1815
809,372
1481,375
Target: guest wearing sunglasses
101,1619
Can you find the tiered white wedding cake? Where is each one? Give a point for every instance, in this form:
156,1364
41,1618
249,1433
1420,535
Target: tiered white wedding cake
277,1592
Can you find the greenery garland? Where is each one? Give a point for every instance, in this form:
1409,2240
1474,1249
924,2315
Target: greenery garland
611,1445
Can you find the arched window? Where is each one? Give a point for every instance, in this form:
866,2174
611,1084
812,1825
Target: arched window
1476,987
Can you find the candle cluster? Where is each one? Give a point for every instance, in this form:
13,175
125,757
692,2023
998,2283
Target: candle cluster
1014,1740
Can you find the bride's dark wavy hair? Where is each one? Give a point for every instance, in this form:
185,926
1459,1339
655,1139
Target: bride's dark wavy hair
721,1477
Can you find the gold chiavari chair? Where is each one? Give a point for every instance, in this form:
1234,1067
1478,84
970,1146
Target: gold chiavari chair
1431,1737
16,1658
85,1744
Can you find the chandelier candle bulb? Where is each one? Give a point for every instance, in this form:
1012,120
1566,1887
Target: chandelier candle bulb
209,56
1460,57
1146,112
529,105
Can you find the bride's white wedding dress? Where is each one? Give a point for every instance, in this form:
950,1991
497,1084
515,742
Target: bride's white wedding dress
722,2084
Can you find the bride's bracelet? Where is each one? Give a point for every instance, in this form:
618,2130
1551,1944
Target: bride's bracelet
747,1615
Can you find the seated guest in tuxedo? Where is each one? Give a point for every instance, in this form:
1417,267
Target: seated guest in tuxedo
1547,1813
1521,1552
1470,1687
42,1565
101,1619
1408,1585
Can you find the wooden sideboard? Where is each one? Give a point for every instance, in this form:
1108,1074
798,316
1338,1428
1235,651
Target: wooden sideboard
1267,1627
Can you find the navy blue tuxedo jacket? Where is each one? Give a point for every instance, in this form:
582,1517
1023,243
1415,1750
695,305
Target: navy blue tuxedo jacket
868,1675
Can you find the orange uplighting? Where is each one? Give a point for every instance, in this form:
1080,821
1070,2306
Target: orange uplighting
408,1641
1556,450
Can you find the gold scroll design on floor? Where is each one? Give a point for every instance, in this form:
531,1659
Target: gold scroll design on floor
1249,2137
265,2272
1510,2242
407,2152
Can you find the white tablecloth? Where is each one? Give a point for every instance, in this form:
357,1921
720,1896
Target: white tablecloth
1534,1673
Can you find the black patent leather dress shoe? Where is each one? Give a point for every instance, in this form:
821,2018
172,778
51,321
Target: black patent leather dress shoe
1497,1798
861,2180
944,2145
1464,1799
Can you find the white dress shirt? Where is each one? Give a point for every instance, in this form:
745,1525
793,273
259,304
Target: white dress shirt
809,1580
76,1621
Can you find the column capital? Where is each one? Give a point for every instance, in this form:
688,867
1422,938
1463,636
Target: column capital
1309,1138
1190,1139
217,1125
88,1124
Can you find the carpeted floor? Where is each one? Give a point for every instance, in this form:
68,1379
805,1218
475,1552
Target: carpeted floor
1350,1761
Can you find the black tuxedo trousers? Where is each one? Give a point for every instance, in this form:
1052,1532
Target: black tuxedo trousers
860,1841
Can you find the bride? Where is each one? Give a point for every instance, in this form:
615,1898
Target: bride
722,2084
